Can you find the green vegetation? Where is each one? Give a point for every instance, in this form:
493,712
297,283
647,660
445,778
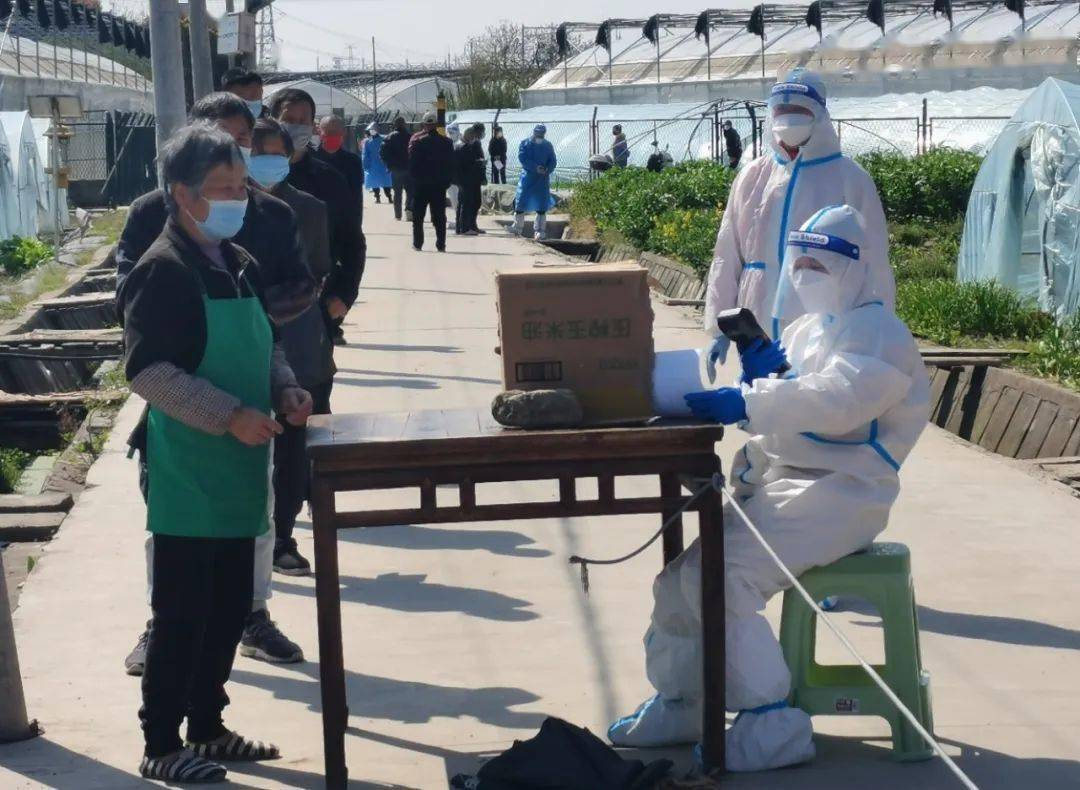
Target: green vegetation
17,294
677,213
12,464
19,255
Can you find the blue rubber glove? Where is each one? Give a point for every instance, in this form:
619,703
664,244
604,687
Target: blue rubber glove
761,359
717,355
725,405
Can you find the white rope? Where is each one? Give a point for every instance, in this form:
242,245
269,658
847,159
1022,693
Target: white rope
874,676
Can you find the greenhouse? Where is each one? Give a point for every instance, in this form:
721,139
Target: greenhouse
898,47
1022,227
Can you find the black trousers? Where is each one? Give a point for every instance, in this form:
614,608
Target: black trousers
385,191
402,187
498,176
201,598
470,196
425,197
292,479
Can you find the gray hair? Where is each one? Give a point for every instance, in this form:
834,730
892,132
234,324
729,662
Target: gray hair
189,156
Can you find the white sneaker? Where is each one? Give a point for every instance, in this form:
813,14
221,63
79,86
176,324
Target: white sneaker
538,236
658,722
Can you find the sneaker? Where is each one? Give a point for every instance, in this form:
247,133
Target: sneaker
263,641
288,560
538,236
479,231
135,662
182,767
471,233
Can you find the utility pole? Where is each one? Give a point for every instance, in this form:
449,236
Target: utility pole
202,67
266,40
14,725
168,65
374,82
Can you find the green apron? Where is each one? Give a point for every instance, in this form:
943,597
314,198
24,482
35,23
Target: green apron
206,486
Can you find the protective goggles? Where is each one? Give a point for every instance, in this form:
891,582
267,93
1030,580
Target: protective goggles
822,241
783,92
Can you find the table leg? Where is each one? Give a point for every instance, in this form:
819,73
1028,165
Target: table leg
670,488
712,616
331,657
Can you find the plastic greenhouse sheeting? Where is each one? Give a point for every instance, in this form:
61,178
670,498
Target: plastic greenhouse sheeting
1022,227
9,198
27,171
968,119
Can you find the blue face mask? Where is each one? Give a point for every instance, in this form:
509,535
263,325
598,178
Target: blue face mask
256,108
224,221
268,169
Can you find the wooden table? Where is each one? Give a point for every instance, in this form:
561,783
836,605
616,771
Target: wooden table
426,449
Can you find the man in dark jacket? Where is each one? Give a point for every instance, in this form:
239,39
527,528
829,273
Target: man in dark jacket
470,165
733,144
497,152
431,166
295,110
270,235
395,155
332,151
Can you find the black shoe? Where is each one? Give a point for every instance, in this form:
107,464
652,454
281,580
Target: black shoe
263,641
418,248
287,560
135,662
339,340
481,231
441,247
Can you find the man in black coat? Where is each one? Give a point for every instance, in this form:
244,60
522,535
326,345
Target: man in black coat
395,155
295,110
431,167
497,152
733,144
470,165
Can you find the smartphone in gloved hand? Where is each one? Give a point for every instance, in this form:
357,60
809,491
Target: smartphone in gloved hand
741,327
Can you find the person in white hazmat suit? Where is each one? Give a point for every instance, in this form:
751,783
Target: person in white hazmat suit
817,478
778,192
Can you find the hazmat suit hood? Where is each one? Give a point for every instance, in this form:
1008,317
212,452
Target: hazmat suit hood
836,238
803,88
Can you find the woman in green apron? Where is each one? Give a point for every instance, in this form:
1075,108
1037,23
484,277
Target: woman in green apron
201,351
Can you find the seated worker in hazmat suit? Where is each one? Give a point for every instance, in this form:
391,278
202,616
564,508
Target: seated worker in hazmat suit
817,478
778,192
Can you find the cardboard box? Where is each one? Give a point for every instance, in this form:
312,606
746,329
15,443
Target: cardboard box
588,329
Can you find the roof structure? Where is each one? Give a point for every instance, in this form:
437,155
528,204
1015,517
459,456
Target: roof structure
932,44
328,98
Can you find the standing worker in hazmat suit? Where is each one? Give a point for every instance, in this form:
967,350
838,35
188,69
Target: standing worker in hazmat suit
538,162
777,193
817,478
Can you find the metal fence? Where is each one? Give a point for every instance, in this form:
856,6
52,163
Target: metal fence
701,137
110,158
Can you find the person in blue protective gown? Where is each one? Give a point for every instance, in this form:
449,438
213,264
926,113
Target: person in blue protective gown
376,174
817,478
538,162
802,172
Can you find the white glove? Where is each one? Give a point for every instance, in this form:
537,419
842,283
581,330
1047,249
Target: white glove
718,355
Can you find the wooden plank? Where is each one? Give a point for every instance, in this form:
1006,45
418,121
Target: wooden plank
960,400
999,420
1038,431
82,300
987,403
39,336
40,503
1072,447
29,526
1060,431
938,380
10,400
1018,425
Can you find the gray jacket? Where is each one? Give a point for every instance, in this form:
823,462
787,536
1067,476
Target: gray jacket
306,339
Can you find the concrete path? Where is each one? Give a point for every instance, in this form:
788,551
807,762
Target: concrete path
460,639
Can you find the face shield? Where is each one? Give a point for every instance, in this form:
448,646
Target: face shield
796,107
824,268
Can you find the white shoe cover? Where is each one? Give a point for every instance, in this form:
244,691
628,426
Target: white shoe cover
658,722
773,739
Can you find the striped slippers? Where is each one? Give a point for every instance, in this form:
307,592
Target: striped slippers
183,766
236,748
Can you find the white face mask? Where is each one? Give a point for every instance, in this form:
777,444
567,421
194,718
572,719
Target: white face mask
793,130
817,291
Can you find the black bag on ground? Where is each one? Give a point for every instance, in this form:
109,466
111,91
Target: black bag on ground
563,757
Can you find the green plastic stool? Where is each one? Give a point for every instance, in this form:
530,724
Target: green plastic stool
882,576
